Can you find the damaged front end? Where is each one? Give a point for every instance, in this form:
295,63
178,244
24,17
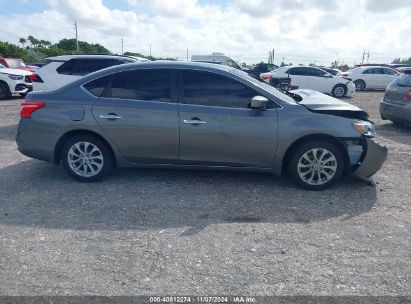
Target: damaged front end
366,156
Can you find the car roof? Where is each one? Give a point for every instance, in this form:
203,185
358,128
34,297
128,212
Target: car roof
156,65
173,64
97,56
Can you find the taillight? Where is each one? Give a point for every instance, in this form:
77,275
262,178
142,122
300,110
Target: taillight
35,78
408,95
266,77
29,107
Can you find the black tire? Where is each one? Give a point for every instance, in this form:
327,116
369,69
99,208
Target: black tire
105,152
339,91
297,158
360,84
4,91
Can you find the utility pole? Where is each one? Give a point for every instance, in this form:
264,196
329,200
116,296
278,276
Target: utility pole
75,26
368,56
122,46
273,56
363,57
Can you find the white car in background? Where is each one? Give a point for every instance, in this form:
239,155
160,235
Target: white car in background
371,77
61,70
303,77
14,81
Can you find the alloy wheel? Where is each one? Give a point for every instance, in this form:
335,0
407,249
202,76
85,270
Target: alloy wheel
317,166
339,91
85,159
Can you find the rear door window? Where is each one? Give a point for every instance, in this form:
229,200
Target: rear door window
147,85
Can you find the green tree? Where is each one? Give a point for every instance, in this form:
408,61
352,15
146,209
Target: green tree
23,41
33,41
12,51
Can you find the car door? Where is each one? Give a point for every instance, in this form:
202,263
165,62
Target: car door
217,127
137,111
373,78
317,80
389,76
298,78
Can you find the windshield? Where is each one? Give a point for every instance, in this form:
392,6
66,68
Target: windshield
1,66
15,63
277,93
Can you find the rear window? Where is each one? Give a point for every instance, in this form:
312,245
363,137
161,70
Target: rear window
148,85
404,80
82,67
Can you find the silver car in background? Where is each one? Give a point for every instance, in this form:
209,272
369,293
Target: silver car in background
396,105
196,116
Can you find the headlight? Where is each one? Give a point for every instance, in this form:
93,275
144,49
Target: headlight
364,127
15,77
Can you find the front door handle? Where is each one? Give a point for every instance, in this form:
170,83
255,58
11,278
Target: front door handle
194,122
110,116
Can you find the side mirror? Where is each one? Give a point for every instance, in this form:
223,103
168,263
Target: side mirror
258,102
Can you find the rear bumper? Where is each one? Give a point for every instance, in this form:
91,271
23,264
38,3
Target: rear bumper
374,158
398,113
34,142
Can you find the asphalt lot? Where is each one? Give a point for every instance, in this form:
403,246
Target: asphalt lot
151,232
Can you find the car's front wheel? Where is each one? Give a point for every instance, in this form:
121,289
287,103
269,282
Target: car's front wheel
87,158
316,165
4,91
339,91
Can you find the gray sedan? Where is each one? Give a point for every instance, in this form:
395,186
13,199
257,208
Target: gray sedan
197,116
396,105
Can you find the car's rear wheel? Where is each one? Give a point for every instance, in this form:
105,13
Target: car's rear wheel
339,91
360,84
86,158
316,165
4,91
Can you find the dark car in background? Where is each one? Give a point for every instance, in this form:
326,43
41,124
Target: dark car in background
396,105
261,68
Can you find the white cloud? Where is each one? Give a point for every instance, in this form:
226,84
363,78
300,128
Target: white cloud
300,30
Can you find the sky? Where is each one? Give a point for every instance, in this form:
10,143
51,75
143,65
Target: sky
300,31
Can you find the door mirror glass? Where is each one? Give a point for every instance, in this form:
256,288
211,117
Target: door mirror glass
259,102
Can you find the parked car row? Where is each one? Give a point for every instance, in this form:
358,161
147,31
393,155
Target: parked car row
303,77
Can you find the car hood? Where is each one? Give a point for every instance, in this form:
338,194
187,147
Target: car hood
15,72
320,103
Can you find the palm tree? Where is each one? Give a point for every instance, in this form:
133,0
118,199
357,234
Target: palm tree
34,42
23,41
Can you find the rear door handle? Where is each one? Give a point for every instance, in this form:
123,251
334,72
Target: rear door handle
194,122
110,116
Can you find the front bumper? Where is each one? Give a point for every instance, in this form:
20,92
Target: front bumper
350,89
22,88
373,160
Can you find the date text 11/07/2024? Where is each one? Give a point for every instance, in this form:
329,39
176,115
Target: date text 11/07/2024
202,299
